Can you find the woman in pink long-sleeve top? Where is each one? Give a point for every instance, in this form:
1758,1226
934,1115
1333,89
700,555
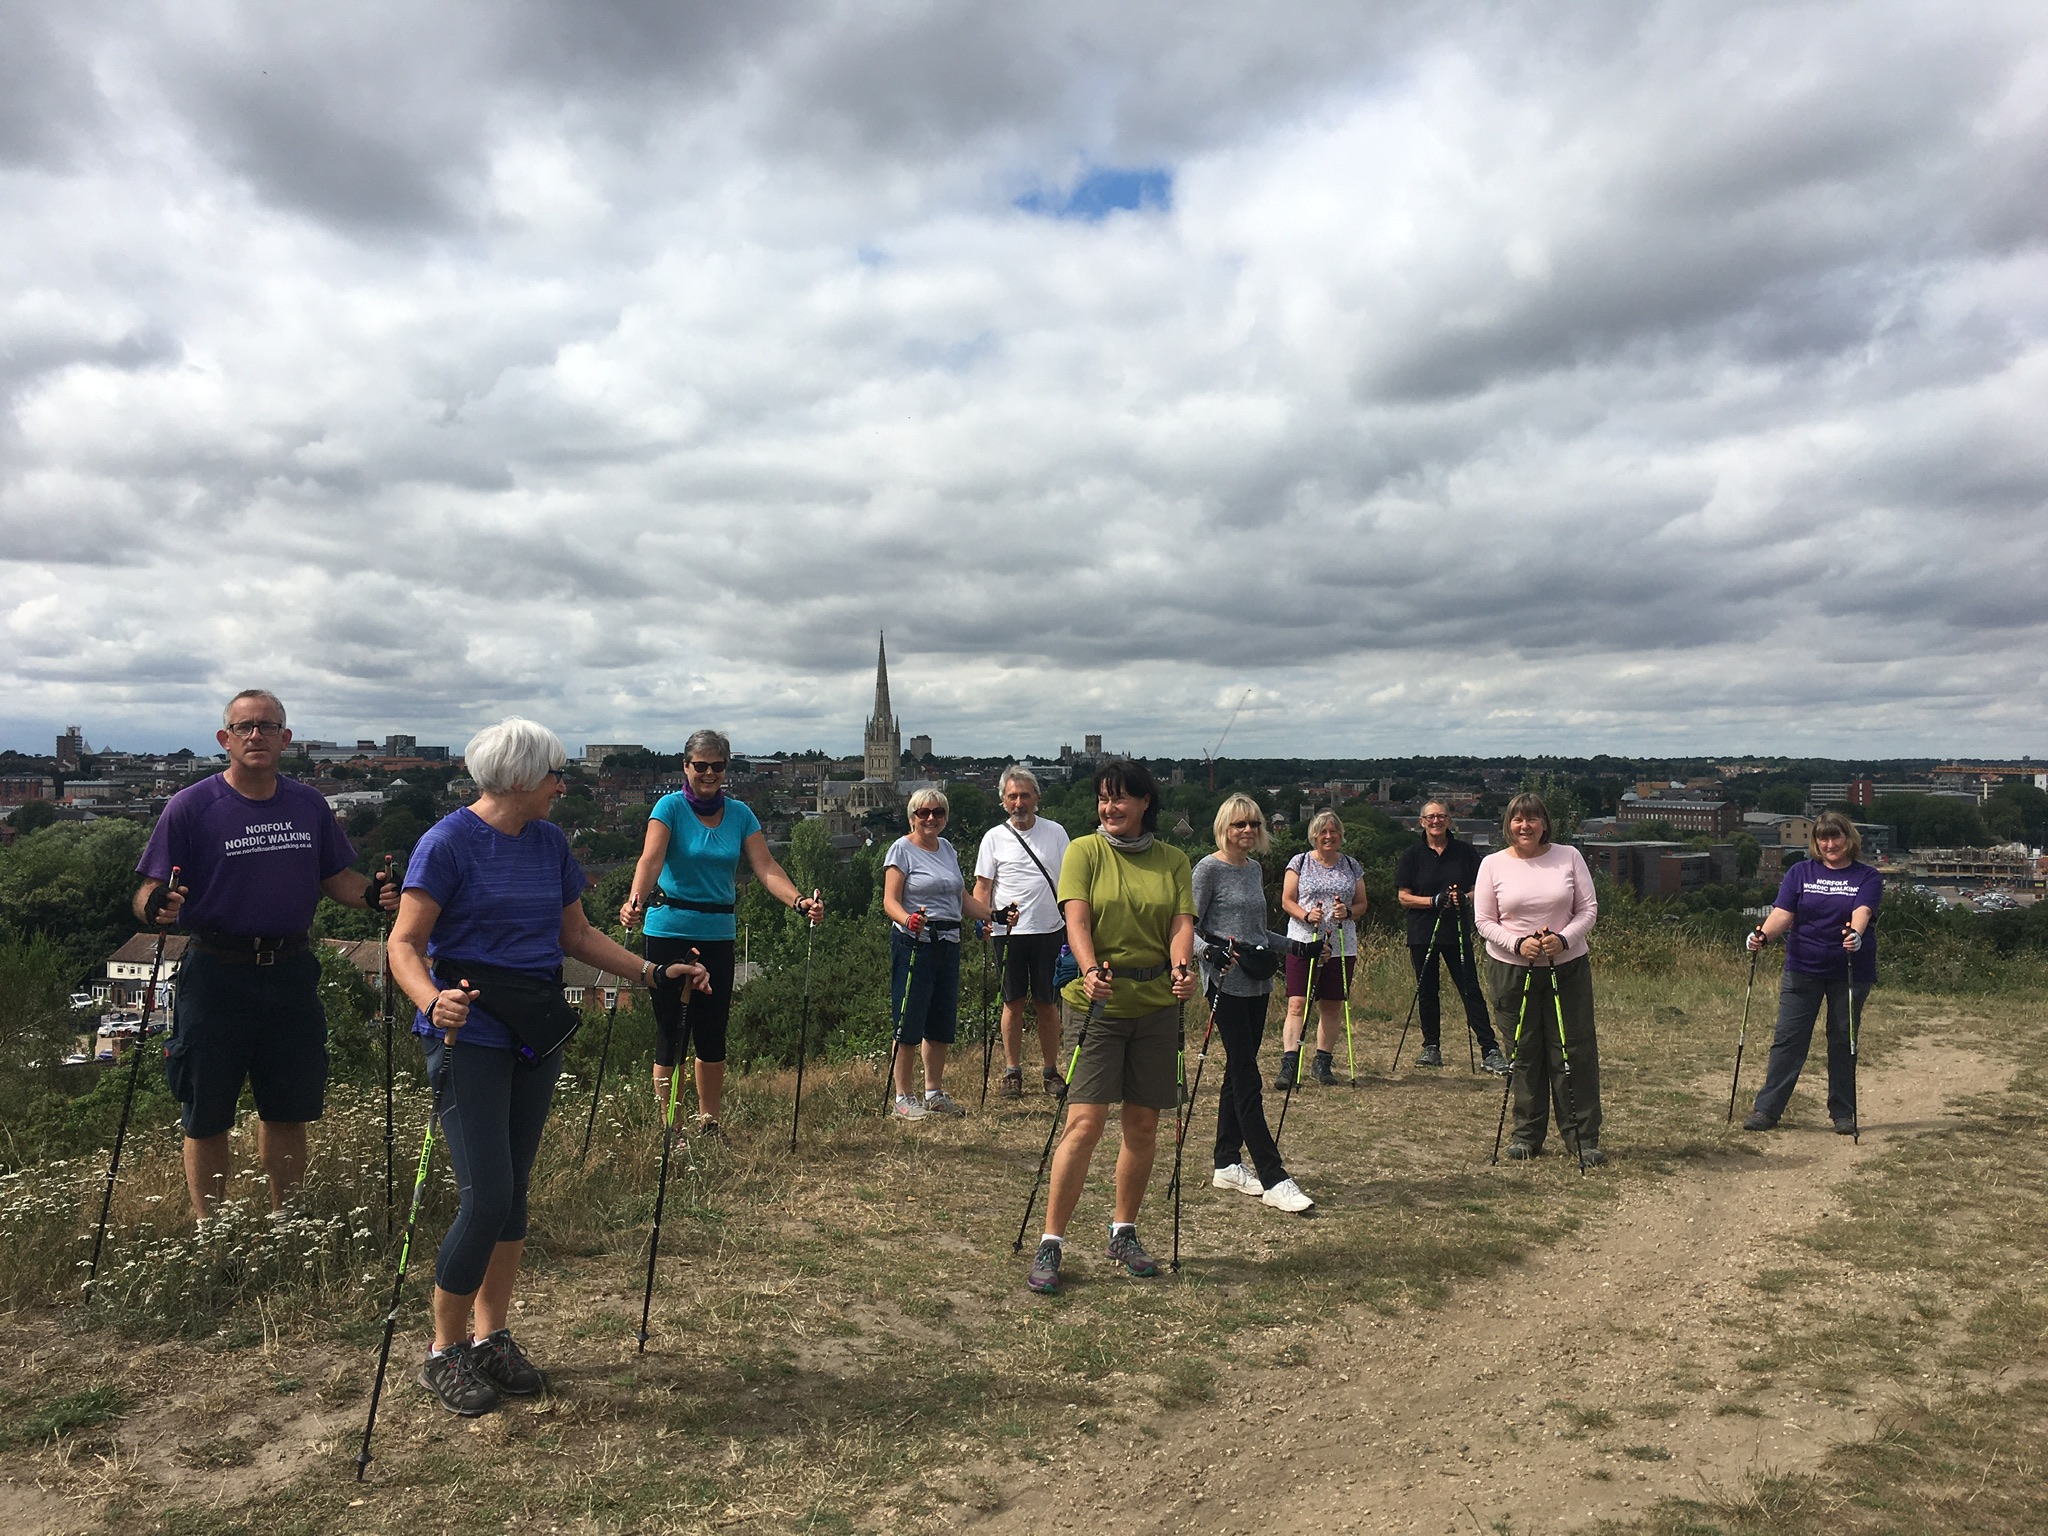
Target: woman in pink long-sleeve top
1533,904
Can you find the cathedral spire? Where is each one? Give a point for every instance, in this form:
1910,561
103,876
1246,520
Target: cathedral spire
882,747
883,715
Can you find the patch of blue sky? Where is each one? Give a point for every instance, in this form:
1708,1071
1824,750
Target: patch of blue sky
1103,191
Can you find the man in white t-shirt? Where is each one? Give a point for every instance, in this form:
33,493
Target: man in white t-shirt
1019,862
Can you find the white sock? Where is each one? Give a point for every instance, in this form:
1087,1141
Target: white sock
1122,1226
1054,1237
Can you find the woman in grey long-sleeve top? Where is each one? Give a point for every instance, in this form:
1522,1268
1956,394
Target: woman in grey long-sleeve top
1230,904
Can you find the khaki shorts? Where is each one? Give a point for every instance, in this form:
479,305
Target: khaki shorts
1126,1061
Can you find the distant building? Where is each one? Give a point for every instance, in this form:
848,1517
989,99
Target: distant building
1661,869
401,746
882,741
1716,818
920,747
71,747
127,971
594,755
20,788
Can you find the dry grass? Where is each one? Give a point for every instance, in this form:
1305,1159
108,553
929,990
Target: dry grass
841,1339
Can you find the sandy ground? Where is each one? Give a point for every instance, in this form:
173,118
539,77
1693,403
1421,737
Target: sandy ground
1455,1419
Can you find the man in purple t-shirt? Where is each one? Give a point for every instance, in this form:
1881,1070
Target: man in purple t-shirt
253,853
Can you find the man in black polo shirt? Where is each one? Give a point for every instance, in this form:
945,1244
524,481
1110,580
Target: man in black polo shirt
253,854
1433,880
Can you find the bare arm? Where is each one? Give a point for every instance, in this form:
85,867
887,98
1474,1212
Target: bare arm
417,914
646,872
601,950
775,880
1095,980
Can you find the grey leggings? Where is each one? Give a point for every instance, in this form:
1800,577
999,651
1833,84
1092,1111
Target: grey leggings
493,1108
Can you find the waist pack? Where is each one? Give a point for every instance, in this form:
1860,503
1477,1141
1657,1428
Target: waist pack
1066,968
1256,961
531,1007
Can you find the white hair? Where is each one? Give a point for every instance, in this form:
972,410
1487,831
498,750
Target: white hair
513,756
1020,773
227,714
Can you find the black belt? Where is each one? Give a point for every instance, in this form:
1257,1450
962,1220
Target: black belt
661,899
937,925
249,948
1137,972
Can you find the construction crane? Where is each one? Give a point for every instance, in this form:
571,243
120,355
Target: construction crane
1209,756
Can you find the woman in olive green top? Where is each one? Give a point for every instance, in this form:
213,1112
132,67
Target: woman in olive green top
1130,909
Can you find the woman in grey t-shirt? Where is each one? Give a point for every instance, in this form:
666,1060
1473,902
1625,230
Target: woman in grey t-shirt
926,899
1230,905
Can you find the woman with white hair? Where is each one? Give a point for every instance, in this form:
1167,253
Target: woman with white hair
492,901
926,899
1323,895
686,885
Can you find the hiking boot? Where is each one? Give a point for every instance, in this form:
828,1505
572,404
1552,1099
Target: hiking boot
1045,1268
1287,1196
1494,1062
504,1365
1592,1157
1290,1068
1055,1085
1238,1177
1759,1121
456,1383
908,1108
1522,1151
1125,1249
1012,1084
713,1132
940,1102
1846,1126
1430,1056
1319,1069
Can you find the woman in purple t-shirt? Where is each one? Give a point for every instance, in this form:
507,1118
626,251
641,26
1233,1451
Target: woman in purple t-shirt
1826,909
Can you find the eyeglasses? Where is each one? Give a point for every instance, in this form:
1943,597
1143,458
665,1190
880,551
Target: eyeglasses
1436,818
1830,837
929,813
248,728
706,767
1246,826
559,775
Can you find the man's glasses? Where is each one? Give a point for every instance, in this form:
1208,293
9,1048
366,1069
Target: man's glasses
713,768
250,728
1436,818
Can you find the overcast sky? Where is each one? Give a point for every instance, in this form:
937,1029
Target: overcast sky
1522,377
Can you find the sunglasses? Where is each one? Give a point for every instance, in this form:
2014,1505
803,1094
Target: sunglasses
1246,826
929,813
705,767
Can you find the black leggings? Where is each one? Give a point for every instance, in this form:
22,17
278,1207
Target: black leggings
708,1010
1241,1112
493,1107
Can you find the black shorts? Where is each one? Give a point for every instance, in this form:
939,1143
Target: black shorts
709,1011
1027,965
259,1023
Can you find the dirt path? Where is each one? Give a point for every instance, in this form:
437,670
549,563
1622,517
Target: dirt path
1484,1409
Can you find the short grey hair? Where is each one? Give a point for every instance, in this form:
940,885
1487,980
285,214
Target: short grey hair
1018,772
513,756
227,714
715,740
1323,819
924,797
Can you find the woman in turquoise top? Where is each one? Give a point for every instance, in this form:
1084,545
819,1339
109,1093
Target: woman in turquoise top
686,886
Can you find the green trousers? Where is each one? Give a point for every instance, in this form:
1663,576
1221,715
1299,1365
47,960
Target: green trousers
1525,1011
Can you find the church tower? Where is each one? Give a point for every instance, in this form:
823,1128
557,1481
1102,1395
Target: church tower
882,752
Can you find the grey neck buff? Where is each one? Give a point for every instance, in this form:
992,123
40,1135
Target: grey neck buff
1136,844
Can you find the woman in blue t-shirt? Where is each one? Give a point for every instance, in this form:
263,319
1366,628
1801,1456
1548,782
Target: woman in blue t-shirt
492,901
1827,910
686,885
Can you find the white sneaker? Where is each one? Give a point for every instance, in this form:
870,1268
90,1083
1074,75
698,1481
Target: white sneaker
908,1108
1239,1178
1287,1196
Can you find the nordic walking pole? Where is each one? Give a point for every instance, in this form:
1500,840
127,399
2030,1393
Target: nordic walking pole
1201,1060
1564,1056
668,1141
604,1054
1183,1115
128,1097
1308,1001
412,1216
390,1024
1507,1086
1436,933
1465,970
896,1034
1742,1034
1058,1115
987,1039
803,1032
1855,1021
1350,1046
